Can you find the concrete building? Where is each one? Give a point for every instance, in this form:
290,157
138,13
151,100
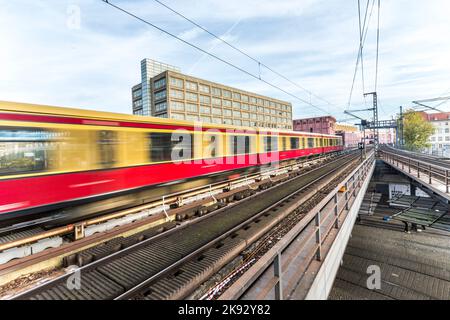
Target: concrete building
142,92
350,134
324,125
172,94
440,140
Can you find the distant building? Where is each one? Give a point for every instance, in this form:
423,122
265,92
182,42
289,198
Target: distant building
350,134
172,94
440,140
345,127
324,125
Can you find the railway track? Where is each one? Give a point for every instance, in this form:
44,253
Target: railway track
422,157
170,265
19,240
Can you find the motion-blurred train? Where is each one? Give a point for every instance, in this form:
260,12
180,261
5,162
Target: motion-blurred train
53,158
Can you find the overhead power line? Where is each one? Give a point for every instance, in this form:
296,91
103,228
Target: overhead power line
378,46
361,34
365,28
212,55
260,64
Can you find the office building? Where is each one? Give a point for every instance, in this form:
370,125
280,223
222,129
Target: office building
172,94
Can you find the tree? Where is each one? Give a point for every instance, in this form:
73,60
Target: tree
417,130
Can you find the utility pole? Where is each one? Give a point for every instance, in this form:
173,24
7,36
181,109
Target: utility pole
400,129
375,120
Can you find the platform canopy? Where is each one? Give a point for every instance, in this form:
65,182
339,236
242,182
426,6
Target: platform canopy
422,211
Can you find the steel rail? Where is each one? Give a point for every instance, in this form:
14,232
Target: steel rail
168,200
134,247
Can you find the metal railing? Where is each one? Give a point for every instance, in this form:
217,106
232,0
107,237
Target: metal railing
422,169
310,240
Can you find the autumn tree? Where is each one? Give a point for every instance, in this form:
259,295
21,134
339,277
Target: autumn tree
417,130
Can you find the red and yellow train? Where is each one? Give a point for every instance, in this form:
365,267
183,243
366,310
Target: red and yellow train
52,157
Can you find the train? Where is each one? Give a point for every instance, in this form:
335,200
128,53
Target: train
57,159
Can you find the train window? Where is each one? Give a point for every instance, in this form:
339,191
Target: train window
107,142
163,144
270,143
294,143
310,143
182,146
24,150
209,146
239,144
284,143
160,146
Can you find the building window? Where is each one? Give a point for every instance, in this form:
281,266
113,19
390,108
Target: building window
253,108
216,101
160,95
137,104
175,82
266,103
205,99
245,106
178,116
204,109
226,94
236,105
137,93
244,98
216,91
236,114
191,117
191,86
205,119
203,88
237,122
162,115
227,121
259,101
236,96
245,115
160,83
226,103
217,120
176,94
191,96
227,112
160,107
191,107
217,111
176,105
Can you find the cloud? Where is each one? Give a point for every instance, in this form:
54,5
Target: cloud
313,43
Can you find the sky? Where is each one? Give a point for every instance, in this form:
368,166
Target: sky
86,54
